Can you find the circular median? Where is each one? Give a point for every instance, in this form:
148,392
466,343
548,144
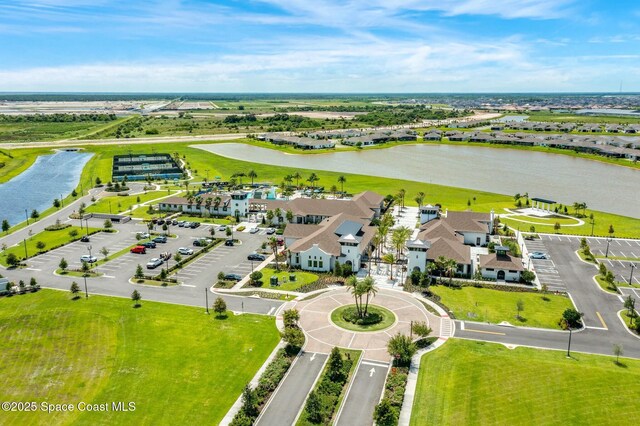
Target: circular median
376,319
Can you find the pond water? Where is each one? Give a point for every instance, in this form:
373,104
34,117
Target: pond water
565,179
48,177
513,118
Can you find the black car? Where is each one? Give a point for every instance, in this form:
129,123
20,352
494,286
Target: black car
160,239
84,239
201,242
256,256
233,277
228,243
149,244
160,221
194,225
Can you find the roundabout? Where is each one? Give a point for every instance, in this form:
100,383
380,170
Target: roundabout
321,319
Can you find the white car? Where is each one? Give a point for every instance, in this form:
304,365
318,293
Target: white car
185,250
143,235
154,263
254,230
88,259
271,231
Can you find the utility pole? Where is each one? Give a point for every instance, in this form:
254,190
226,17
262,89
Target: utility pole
631,276
569,347
608,241
206,300
86,292
27,216
25,249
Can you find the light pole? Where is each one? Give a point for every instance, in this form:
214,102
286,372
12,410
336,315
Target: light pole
27,216
61,201
631,276
206,300
110,207
593,222
89,248
26,256
569,347
608,241
86,292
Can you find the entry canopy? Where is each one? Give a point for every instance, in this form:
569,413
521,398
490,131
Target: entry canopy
543,200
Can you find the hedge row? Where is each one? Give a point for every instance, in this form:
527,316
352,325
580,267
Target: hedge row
387,412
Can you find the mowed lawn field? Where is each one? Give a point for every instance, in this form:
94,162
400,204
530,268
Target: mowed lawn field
478,383
177,364
487,305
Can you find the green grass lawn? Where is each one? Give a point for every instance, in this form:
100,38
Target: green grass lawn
388,318
477,383
487,305
172,361
302,278
43,131
117,204
51,239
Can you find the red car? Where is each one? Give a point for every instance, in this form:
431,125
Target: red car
139,250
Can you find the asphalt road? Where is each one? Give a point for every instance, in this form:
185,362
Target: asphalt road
289,398
364,394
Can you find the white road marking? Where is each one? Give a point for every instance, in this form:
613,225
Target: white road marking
271,310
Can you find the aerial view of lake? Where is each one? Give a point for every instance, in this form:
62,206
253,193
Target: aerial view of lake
48,177
566,179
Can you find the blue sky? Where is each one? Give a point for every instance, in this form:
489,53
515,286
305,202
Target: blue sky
320,45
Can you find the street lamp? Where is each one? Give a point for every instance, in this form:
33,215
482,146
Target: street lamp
608,241
27,216
569,347
206,299
89,248
631,276
86,292
593,222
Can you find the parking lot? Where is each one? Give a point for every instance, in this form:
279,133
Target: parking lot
545,269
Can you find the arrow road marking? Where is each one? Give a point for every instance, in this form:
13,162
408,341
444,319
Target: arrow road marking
312,357
372,371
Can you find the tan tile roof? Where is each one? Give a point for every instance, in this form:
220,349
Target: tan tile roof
451,249
322,207
295,230
468,221
494,261
327,240
438,229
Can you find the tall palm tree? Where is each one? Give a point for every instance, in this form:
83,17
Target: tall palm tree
441,265
451,266
390,258
288,179
252,174
273,243
312,179
278,213
401,195
429,268
341,181
370,290
352,284
207,203
297,177
419,199
333,190
375,242
216,202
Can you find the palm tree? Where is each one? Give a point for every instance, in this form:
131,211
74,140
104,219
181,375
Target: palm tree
356,291
312,179
252,174
278,213
297,177
273,243
440,265
401,194
451,266
341,181
333,190
419,199
207,203
399,237
429,268
288,179
375,242
370,290
216,202
390,258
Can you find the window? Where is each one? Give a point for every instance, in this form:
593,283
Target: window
489,269
315,263
320,263
309,263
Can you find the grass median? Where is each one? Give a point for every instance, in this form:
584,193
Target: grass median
495,306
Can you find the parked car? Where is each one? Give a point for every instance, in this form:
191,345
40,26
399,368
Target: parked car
185,250
174,222
538,255
154,263
160,221
228,243
256,256
165,256
233,277
84,239
271,231
160,239
149,244
222,228
254,230
88,259
143,235
139,250
181,223
201,242
194,225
